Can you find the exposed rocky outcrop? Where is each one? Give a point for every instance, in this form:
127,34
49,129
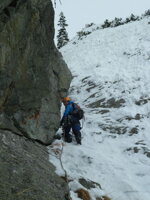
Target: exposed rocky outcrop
25,171
88,184
110,103
33,75
33,78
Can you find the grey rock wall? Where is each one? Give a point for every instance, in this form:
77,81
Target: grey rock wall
33,78
33,75
25,172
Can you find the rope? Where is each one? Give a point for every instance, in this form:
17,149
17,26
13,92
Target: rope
66,175
59,157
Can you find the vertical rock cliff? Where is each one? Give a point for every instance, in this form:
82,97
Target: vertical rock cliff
33,75
33,78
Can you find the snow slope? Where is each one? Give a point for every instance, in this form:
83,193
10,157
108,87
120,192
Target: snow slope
111,69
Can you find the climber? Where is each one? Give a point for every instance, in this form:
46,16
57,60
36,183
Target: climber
69,120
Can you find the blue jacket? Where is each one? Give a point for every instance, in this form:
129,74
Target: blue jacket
68,109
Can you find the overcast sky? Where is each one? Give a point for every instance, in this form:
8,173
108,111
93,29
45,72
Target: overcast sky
81,12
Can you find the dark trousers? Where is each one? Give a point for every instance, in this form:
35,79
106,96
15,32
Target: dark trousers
76,131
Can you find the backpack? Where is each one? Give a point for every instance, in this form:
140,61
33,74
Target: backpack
77,111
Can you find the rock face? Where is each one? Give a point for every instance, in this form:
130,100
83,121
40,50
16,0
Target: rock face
33,75
25,171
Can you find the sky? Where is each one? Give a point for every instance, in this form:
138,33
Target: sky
108,64
81,12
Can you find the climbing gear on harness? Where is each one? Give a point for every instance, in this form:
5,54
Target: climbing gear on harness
67,121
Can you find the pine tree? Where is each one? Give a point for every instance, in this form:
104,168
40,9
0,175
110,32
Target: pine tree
116,22
127,20
133,17
106,24
62,37
147,12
